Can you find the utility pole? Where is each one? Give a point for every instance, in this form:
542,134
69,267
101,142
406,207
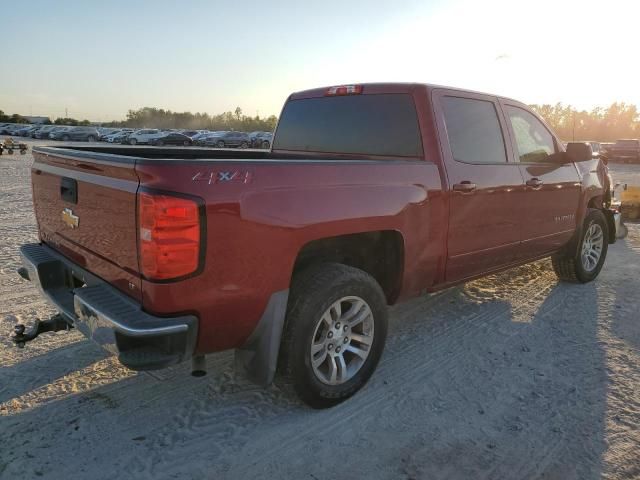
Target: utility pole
66,114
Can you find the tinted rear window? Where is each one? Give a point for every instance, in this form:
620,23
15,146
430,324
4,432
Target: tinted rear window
384,124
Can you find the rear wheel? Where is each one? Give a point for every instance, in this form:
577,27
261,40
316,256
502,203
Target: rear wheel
265,144
583,263
132,141
91,138
159,143
335,331
186,143
244,145
65,138
220,144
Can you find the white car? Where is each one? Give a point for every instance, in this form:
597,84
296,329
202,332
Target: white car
143,136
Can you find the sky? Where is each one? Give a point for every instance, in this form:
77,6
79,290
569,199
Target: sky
97,59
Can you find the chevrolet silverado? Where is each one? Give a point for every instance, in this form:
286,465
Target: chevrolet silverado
370,194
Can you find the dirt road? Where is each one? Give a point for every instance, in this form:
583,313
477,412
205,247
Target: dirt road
512,376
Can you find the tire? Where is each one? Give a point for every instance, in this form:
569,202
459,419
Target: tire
266,145
65,138
91,138
158,143
312,321
132,141
572,264
186,143
244,145
220,144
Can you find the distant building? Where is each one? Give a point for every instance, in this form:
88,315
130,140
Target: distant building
36,119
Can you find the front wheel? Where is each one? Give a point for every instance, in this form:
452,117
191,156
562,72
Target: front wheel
220,144
65,138
583,264
132,141
91,138
335,331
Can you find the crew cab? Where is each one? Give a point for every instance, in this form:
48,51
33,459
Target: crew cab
370,194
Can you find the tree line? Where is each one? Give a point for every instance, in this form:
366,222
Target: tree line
160,118
149,117
619,120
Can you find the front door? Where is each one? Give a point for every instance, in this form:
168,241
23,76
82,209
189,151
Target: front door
485,186
552,186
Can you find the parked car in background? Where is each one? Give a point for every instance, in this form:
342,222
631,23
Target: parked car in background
119,137
171,138
25,131
85,134
105,132
11,128
261,139
625,151
228,139
190,133
43,130
57,130
201,135
142,136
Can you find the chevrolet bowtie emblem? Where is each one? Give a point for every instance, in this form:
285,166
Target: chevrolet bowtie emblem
69,218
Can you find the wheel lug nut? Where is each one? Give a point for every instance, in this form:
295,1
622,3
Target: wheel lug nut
346,339
346,328
338,325
330,346
338,350
330,335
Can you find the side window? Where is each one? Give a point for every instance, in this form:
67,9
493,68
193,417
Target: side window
535,143
474,131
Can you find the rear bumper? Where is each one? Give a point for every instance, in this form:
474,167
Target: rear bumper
105,315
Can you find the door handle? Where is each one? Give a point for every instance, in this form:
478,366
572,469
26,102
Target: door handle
534,182
464,187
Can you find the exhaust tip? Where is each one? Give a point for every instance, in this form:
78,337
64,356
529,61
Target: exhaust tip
198,366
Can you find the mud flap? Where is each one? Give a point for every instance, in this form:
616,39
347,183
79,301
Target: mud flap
610,215
258,357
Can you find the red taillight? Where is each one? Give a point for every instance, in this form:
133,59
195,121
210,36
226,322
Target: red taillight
168,236
344,90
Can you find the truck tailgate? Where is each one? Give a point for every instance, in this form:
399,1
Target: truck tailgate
86,209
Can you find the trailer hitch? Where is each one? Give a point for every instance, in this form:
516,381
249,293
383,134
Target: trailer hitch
56,323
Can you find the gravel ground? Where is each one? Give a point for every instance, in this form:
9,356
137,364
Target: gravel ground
512,376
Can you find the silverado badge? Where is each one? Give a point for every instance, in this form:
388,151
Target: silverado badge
69,218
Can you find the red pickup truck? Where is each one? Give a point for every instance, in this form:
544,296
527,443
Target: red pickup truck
371,194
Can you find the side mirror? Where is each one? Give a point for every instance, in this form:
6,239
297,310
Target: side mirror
579,151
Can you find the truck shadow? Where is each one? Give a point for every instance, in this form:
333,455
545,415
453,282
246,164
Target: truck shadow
504,377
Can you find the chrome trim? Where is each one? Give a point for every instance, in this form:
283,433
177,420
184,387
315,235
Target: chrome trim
134,332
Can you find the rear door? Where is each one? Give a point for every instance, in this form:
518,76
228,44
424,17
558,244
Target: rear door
485,185
552,186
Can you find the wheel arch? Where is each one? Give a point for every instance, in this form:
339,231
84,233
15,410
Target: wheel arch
380,253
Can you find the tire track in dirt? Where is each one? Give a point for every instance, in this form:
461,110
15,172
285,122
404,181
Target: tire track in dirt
527,289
